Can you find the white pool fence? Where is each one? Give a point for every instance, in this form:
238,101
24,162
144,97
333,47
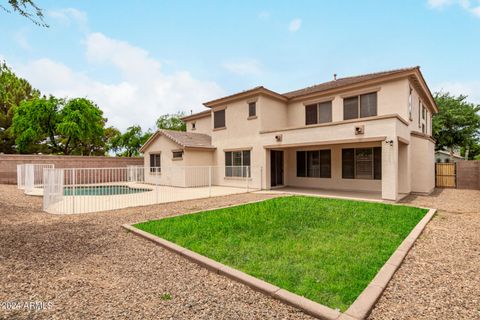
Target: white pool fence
82,190
30,176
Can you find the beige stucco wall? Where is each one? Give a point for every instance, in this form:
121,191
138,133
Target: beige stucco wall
240,134
164,146
197,158
272,113
392,99
414,124
202,125
422,173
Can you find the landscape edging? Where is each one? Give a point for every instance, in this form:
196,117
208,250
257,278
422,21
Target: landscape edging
359,309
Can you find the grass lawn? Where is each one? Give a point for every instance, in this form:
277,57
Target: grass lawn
327,250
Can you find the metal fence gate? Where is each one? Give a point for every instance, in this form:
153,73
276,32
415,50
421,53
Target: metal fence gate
446,175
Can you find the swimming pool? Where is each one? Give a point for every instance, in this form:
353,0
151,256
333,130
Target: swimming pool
102,190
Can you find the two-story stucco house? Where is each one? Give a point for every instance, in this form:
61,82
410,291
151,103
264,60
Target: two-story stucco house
364,133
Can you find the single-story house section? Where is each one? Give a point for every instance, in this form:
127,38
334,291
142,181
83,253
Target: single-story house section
444,156
368,133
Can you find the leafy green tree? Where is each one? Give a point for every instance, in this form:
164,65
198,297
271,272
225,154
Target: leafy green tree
129,143
28,9
55,125
110,138
13,90
172,122
457,123
471,152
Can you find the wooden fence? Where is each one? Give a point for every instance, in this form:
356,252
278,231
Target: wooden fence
446,175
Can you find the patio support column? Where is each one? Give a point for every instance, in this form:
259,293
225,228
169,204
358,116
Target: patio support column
390,169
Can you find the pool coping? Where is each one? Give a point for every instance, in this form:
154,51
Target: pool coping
358,310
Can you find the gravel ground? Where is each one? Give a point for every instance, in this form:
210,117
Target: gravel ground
440,277
89,267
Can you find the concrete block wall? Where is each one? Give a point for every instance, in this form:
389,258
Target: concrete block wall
8,163
468,174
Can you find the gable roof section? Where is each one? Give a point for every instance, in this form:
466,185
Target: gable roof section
184,139
343,82
260,90
198,115
412,73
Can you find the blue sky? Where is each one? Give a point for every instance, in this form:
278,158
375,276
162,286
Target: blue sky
140,59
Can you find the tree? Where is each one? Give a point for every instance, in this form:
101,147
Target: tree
473,151
172,122
55,125
457,123
13,90
129,143
28,9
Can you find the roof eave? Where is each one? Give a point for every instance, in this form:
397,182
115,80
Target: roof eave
246,94
198,115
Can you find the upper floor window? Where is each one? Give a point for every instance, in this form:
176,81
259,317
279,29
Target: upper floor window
219,119
423,111
419,111
252,109
318,113
410,105
361,106
193,126
155,162
237,163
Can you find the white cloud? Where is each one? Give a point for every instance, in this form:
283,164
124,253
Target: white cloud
264,15
67,16
472,6
244,67
470,89
295,25
142,93
476,11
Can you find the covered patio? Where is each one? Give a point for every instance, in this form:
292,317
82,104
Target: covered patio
373,169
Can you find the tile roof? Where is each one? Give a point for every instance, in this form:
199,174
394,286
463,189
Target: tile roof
188,139
341,82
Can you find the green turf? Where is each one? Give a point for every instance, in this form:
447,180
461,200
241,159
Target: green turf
324,249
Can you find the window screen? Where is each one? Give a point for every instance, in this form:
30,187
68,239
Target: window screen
301,164
177,154
154,162
252,109
237,163
325,112
311,114
325,164
348,163
368,105
377,163
350,108
314,164
219,119
364,163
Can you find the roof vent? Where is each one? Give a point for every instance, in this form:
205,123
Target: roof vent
334,77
